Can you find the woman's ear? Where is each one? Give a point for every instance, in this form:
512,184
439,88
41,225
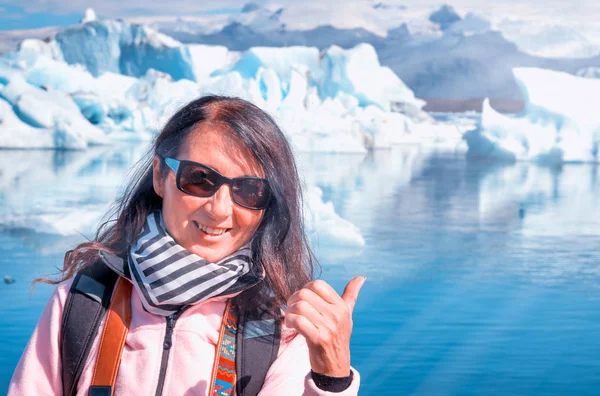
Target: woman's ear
157,180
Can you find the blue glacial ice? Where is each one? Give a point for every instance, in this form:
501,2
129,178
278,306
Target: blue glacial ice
560,122
334,101
48,118
125,48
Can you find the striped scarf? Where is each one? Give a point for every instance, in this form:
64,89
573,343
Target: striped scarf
168,277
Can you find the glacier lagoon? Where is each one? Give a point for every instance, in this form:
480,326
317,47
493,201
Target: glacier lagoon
482,278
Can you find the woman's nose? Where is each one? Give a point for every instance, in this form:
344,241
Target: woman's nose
220,204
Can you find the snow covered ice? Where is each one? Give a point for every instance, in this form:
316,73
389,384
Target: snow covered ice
560,122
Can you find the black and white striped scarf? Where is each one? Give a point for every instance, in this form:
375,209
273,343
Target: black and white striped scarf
168,277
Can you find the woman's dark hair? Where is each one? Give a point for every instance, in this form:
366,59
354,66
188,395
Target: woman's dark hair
279,245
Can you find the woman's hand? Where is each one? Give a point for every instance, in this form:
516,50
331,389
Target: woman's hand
325,320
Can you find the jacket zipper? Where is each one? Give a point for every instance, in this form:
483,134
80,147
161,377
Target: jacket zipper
167,344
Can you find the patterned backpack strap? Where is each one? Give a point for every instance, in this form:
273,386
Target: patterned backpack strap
224,375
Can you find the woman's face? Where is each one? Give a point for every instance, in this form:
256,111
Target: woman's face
188,218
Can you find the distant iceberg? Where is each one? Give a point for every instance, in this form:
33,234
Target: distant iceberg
121,47
589,72
560,122
104,81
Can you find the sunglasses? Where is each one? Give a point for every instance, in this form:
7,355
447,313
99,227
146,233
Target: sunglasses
201,180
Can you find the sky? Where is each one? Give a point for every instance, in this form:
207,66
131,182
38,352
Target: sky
29,14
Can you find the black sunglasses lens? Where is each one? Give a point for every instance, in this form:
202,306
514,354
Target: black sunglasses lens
198,180
252,193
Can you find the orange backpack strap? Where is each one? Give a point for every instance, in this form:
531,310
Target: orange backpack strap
223,379
112,341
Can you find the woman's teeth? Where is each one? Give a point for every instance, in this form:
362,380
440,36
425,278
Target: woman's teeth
211,231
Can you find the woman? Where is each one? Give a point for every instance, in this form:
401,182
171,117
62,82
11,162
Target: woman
211,228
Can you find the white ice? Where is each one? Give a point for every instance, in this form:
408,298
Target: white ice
589,72
560,122
324,225
335,101
51,112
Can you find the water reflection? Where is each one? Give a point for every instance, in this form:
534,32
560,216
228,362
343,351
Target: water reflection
474,269
52,198
431,212
425,210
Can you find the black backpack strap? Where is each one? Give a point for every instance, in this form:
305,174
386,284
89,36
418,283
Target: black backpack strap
257,345
86,305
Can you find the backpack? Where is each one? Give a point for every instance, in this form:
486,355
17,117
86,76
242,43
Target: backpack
257,338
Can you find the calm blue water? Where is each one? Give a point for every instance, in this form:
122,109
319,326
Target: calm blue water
482,279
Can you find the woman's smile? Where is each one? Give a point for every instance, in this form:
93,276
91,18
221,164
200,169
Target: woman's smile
212,233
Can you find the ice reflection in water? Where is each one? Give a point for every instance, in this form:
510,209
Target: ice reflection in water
482,279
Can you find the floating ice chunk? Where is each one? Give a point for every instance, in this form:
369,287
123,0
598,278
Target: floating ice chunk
298,94
125,48
357,72
270,87
14,133
207,59
7,73
156,97
32,47
89,16
589,72
114,84
559,95
559,124
325,226
51,109
324,127
46,72
281,60
230,84
383,129
91,106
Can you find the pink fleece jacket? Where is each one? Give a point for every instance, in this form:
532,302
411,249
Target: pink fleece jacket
190,361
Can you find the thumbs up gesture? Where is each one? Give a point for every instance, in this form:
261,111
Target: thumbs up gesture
324,318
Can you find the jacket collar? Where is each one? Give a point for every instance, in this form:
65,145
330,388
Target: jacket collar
115,263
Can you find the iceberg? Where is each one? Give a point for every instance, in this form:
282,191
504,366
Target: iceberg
16,134
324,225
49,114
280,60
32,47
335,101
113,77
206,59
121,47
89,16
589,72
357,72
156,97
560,122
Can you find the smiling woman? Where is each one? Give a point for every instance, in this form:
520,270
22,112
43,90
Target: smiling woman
187,286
